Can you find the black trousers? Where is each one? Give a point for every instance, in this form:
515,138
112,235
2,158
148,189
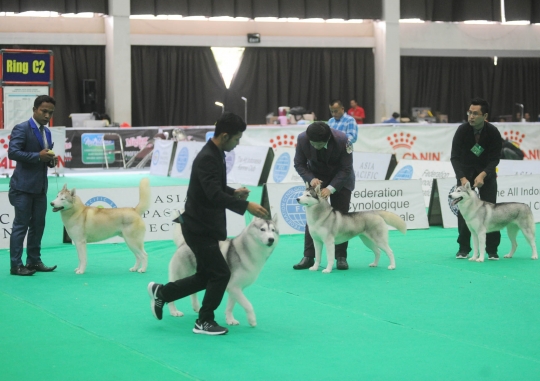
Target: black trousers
340,201
488,192
212,274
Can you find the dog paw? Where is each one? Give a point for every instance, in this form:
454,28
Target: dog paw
141,270
480,260
327,271
232,321
77,271
391,267
314,268
373,264
508,256
177,313
253,323
472,259
133,269
534,257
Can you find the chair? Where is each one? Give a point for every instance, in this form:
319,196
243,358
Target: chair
114,138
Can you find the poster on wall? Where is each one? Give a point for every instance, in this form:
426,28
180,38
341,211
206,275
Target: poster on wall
18,103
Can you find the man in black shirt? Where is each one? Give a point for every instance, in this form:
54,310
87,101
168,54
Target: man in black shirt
476,151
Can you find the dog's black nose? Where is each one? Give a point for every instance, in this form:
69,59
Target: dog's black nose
271,240
52,204
298,199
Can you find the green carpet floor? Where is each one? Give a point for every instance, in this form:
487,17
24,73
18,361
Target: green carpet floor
433,318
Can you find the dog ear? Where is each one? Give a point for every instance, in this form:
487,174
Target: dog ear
73,192
318,189
307,185
275,219
65,187
468,186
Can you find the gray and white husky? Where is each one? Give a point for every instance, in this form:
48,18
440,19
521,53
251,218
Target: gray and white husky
245,254
484,217
331,227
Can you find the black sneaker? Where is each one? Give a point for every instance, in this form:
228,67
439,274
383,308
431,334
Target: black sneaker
156,304
493,257
462,255
209,328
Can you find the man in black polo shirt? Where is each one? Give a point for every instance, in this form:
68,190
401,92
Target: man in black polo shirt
476,151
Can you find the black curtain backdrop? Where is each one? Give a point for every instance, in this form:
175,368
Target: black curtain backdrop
346,9
73,64
60,6
517,80
446,84
175,85
307,77
452,10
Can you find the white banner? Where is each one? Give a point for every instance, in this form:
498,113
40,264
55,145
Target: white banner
158,219
367,166
161,157
518,167
424,170
407,141
403,198
245,164
58,135
7,215
183,158
524,189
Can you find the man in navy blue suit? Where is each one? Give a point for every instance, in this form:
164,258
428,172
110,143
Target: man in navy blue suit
30,146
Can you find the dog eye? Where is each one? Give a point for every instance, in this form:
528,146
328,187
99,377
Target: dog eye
263,229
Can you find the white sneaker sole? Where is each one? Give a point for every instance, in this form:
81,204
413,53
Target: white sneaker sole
203,332
152,300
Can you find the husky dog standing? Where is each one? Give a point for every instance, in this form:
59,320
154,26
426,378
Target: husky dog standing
246,255
90,224
484,217
331,227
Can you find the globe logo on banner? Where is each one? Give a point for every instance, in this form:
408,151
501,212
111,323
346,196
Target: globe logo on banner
229,160
453,208
404,173
283,163
100,202
293,213
182,159
155,157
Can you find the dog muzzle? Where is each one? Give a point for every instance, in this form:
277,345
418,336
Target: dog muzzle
456,200
56,209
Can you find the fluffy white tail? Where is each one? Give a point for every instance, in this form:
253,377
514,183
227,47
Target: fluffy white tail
144,196
393,220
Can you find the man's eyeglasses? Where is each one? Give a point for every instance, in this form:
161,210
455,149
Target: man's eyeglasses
474,113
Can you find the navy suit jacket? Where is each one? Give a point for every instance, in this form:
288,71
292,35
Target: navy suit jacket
208,195
337,170
30,174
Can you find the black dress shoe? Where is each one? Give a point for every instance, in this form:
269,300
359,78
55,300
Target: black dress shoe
40,267
305,263
342,263
21,270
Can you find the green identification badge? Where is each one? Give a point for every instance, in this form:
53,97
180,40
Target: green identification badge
477,149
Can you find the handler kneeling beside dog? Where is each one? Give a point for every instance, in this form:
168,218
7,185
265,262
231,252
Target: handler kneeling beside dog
205,225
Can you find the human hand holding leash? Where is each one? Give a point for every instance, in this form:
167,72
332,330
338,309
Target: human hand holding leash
258,211
315,182
241,193
479,181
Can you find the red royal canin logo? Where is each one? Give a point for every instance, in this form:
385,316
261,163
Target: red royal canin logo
5,163
284,140
5,143
517,139
404,141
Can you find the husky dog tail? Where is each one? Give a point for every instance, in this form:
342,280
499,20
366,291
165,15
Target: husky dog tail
393,220
144,196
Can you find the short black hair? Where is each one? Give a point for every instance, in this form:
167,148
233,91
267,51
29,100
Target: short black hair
334,101
484,105
395,115
318,132
229,123
43,99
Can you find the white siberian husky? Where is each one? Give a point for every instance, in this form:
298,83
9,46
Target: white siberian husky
484,217
90,224
330,227
245,254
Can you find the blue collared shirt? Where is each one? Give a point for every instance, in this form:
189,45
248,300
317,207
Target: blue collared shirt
346,124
